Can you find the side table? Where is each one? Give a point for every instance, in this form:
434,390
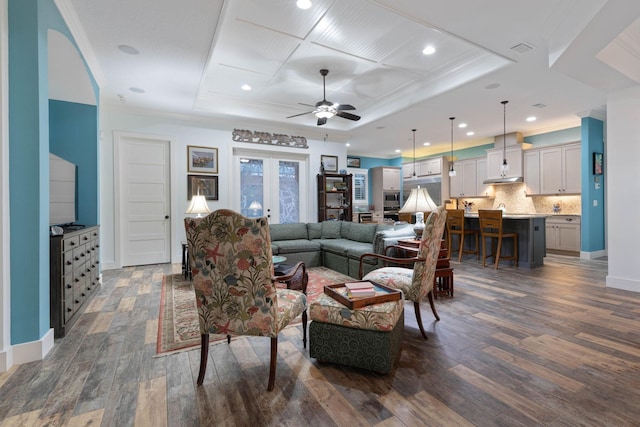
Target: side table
186,264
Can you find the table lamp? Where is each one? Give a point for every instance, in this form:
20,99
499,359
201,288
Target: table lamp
419,202
198,206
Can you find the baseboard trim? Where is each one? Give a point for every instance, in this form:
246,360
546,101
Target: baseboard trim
34,350
594,254
622,283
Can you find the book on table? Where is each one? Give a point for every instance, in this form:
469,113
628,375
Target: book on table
360,289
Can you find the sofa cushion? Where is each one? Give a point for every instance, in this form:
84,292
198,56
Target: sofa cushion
358,232
292,231
337,246
356,249
315,230
297,245
331,229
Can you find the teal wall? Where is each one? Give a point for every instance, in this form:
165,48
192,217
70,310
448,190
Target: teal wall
73,129
29,22
592,224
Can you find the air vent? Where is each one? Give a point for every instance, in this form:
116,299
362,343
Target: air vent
522,47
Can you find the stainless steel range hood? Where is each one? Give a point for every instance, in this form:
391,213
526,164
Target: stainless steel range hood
507,180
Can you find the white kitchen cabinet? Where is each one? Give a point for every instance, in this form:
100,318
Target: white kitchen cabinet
514,161
386,178
563,233
464,183
408,168
532,171
429,167
553,170
482,189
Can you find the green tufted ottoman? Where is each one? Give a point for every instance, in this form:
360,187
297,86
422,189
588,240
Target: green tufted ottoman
368,337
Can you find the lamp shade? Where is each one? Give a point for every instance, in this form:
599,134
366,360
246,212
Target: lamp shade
198,206
419,201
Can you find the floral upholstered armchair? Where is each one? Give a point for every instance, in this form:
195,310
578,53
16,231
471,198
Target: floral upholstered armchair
416,283
235,288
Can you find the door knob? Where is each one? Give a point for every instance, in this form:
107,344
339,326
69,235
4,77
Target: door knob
166,217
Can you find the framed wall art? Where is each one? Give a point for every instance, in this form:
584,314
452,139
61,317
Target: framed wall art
353,162
202,159
598,164
330,163
205,185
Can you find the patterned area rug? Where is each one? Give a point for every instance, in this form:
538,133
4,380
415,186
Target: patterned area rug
178,327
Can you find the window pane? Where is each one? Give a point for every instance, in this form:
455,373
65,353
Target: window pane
289,183
251,187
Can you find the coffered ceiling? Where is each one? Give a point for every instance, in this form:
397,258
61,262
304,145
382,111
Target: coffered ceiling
553,59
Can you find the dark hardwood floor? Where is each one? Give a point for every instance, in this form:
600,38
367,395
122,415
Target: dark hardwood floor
551,346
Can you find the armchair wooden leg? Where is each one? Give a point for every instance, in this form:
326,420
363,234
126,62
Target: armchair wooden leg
228,339
416,307
204,354
304,328
272,364
433,307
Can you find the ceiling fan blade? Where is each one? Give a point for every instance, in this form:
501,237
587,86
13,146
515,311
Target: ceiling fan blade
301,114
342,107
347,116
306,105
322,120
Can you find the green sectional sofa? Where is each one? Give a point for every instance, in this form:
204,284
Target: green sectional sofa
335,244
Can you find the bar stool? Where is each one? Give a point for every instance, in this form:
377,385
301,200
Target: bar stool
455,226
491,227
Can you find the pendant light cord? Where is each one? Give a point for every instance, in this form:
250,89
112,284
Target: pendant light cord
452,119
414,152
504,132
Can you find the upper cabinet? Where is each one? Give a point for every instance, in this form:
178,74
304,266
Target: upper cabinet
387,177
468,181
430,167
554,170
426,167
514,161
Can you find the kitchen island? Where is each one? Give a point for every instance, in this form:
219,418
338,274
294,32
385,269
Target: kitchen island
531,236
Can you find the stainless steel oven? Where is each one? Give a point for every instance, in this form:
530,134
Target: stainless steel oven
391,201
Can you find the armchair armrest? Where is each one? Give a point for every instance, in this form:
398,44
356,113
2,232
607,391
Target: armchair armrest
387,259
296,279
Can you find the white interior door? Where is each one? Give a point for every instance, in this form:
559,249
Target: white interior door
143,222
272,185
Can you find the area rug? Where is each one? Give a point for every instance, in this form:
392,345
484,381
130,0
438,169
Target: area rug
178,328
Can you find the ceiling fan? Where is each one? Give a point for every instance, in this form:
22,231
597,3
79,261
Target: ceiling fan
325,109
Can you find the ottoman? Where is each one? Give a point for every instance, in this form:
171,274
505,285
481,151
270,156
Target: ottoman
367,337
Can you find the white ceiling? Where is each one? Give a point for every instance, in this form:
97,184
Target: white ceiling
195,54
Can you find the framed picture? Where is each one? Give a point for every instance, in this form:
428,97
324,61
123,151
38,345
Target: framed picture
206,185
353,162
202,159
330,163
597,163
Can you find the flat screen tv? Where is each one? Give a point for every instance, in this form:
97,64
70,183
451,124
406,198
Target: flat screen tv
62,191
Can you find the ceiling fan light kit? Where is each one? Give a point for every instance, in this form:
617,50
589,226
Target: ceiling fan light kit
325,110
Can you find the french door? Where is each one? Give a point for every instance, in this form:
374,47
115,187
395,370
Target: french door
271,185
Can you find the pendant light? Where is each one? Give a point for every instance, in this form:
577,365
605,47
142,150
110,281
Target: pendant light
414,154
452,171
505,166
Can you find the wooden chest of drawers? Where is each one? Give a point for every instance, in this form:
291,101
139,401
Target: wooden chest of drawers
74,275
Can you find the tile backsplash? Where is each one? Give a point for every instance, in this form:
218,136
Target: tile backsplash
517,202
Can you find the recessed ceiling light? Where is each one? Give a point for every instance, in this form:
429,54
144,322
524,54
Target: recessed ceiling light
426,144
245,87
470,133
462,125
347,144
531,119
303,4
130,50
429,50
136,90
398,150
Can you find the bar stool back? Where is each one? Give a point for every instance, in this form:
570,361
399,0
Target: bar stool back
455,226
491,227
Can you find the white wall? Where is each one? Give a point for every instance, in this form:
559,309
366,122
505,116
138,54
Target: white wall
183,132
623,189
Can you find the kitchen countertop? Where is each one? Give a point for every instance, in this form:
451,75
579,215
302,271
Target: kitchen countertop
512,216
